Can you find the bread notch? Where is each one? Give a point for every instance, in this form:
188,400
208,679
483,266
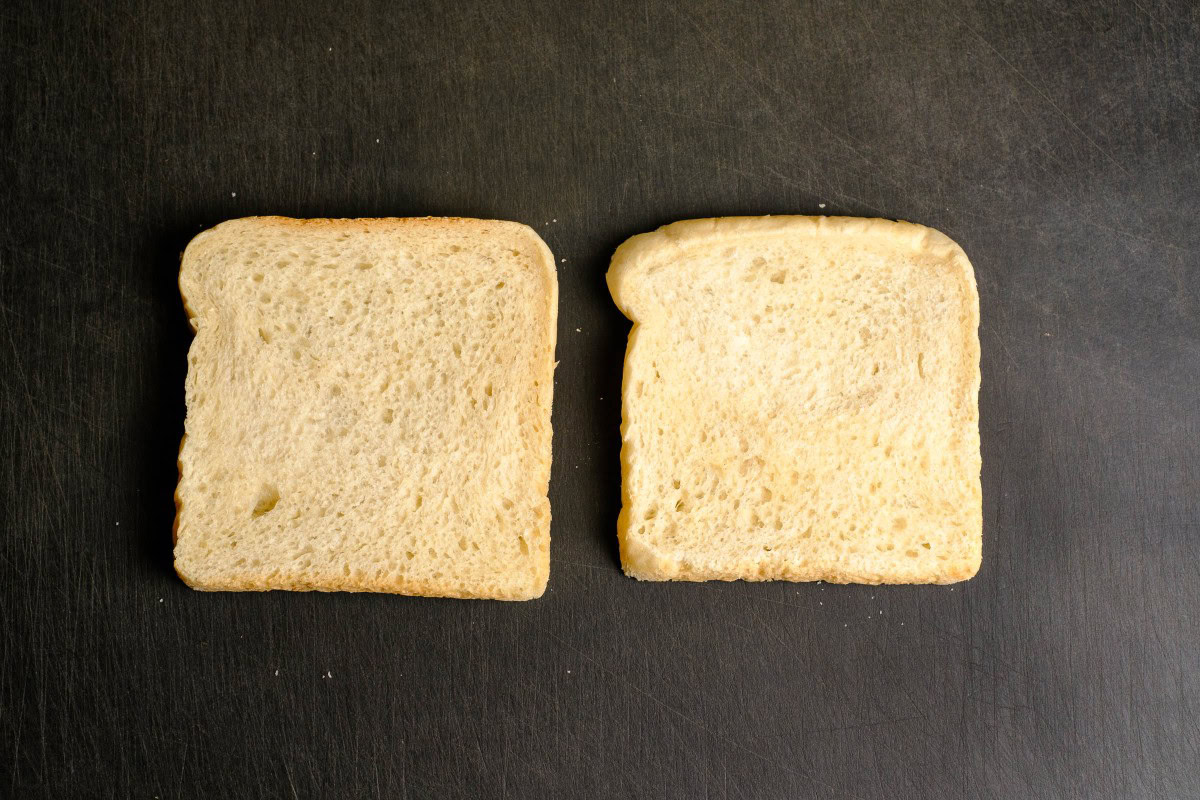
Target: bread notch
800,402
368,407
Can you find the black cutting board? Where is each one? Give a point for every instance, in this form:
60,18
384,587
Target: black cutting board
1058,142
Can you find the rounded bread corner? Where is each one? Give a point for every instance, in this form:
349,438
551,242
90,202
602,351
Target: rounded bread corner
531,591
961,571
545,258
642,562
535,587
190,580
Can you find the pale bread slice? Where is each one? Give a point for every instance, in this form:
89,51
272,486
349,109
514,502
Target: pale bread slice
800,402
368,407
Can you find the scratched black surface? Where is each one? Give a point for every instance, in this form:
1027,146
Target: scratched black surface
1058,142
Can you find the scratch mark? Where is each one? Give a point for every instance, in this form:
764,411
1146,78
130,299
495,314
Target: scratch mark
1110,377
780,603
581,564
75,212
861,725
291,784
742,172
1153,18
30,400
738,64
743,68
182,769
690,719
690,117
1043,95
1004,347
977,650
110,286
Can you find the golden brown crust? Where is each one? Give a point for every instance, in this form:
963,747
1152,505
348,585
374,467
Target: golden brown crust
370,223
641,251
178,481
335,582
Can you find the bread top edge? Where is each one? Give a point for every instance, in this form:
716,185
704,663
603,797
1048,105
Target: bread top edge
643,250
362,223
368,225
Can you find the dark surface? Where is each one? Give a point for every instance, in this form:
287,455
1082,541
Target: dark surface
1058,142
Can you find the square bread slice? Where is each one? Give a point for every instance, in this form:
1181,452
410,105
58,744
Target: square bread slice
800,402
368,407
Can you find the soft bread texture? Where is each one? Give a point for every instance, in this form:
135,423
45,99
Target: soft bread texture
368,407
800,402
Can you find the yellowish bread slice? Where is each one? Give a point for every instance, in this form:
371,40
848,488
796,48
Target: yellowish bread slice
800,402
368,407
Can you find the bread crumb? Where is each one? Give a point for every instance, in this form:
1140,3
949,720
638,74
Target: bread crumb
160,599
554,220
118,523
276,673
565,261
579,330
233,194
821,205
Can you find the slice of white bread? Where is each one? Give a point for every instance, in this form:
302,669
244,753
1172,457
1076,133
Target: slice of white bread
800,402
368,407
